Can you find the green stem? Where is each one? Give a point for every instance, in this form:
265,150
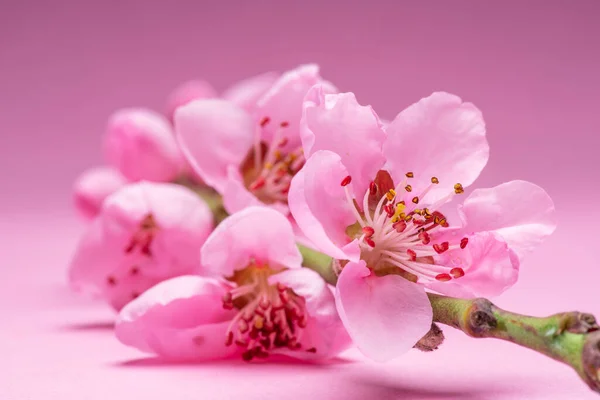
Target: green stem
572,338
210,197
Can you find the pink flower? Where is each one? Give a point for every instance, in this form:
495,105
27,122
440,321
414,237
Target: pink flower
92,187
266,303
145,233
372,197
141,145
248,157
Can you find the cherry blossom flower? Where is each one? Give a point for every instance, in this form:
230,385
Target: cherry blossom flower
139,144
374,198
264,302
92,187
145,233
251,156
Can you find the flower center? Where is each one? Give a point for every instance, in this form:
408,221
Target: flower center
269,169
143,237
269,316
398,235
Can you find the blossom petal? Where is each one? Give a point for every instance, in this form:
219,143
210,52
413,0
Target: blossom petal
181,318
439,136
93,186
385,316
140,144
100,268
283,103
490,267
324,331
519,211
236,196
104,262
187,92
213,135
257,234
246,93
184,221
336,122
319,205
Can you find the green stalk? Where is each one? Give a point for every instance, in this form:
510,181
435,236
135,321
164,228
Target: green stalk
572,338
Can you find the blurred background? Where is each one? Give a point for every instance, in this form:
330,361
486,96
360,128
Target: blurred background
531,66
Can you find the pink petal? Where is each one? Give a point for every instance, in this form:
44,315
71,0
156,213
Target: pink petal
257,234
283,102
100,267
490,267
187,92
324,330
439,136
319,206
213,135
105,263
385,316
236,196
93,186
96,255
181,318
519,211
140,144
336,122
246,93
185,222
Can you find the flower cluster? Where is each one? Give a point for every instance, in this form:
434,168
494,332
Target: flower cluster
295,161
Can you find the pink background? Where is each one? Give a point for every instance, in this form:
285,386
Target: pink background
530,66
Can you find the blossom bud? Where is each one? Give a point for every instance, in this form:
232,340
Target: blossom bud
141,145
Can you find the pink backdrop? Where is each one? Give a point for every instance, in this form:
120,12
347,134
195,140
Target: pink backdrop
530,66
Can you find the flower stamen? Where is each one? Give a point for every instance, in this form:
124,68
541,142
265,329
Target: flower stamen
396,235
269,316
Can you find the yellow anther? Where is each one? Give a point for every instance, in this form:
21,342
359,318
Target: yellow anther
390,194
400,207
408,188
458,188
258,323
410,175
415,200
277,154
399,212
268,165
435,180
